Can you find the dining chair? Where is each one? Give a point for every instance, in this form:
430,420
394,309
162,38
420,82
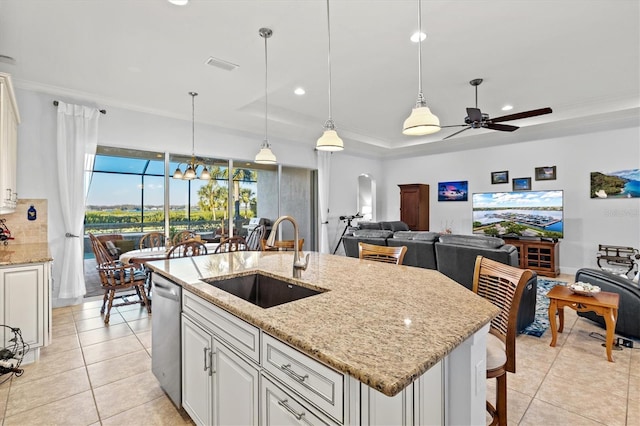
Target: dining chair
503,286
384,254
183,236
231,244
152,240
116,277
255,237
281,245
187,248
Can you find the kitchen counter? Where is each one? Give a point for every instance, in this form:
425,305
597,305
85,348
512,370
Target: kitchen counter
20,254
383,324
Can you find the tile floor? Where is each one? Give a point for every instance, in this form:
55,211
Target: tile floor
92,374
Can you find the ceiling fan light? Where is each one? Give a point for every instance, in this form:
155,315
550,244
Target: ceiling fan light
189,174
265,156
421,122
205,175
330,141
178,173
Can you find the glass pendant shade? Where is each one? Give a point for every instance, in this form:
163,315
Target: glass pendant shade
189,174
177,174
329,141
265,156
421,122
205,175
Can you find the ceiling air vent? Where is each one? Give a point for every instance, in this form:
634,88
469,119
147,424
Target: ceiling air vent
219,63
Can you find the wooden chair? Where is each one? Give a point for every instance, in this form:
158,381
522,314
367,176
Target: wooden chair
231,244
115,277
152,240
281,245
187,248
107,241
503,286
183,236
254,240
385,254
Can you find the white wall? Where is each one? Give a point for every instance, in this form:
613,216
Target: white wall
37,166
587,222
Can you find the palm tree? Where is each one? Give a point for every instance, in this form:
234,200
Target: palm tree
245,197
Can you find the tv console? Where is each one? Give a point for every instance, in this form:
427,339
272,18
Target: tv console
540,255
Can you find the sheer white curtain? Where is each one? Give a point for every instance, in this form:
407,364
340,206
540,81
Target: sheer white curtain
324,180
77,140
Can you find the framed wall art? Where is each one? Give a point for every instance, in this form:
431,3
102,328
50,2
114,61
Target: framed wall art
618,184
453,191
546,173
500,177
522,184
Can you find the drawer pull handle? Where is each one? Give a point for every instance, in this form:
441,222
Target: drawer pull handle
205,358
287,407
211,370
287,369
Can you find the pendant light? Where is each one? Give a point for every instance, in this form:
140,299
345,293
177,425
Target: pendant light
265,156
329,141
192,166
421,121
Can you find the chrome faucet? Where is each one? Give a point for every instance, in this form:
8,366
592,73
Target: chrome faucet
298,264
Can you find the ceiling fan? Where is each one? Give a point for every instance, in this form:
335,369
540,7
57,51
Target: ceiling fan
476,119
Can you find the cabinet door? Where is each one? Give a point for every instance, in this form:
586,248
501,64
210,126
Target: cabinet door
279,408
409,207
196,371
23,300
380,409
235,388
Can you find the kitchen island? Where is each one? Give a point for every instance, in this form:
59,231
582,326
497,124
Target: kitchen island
380,325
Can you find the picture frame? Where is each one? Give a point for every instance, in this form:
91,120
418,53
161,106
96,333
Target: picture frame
453,191
500,177
522,184
546,173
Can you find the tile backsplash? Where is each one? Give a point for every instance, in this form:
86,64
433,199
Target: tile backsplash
26,231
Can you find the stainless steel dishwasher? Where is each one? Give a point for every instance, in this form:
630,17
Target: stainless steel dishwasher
165,336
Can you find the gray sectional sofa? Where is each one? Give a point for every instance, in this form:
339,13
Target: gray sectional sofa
453,255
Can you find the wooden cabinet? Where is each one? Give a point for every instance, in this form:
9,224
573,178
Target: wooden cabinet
9,120
219,387
24,304
414,206
539,256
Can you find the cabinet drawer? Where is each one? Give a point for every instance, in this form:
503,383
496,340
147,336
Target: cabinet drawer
314,381
237,333
280,408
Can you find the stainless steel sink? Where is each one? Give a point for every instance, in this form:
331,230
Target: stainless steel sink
262,290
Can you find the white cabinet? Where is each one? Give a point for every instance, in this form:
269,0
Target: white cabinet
24,303
218,386
9,120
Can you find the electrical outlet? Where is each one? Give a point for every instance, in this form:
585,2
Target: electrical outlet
627,343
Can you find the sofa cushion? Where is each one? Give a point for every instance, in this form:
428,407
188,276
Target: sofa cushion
372,233
394,226
369,225
405,235
426,236
472,240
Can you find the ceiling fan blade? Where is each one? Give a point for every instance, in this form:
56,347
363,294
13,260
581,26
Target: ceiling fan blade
459,131
474,114
501,127
455,125
519,115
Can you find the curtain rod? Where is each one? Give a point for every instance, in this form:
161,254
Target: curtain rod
102,111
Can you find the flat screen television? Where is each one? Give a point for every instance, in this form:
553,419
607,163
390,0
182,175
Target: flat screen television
527,214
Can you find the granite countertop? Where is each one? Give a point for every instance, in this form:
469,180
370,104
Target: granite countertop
383,324
19,254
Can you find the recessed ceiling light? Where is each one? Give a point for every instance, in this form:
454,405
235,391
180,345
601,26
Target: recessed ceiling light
414,37
179,2
507,107
299,91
